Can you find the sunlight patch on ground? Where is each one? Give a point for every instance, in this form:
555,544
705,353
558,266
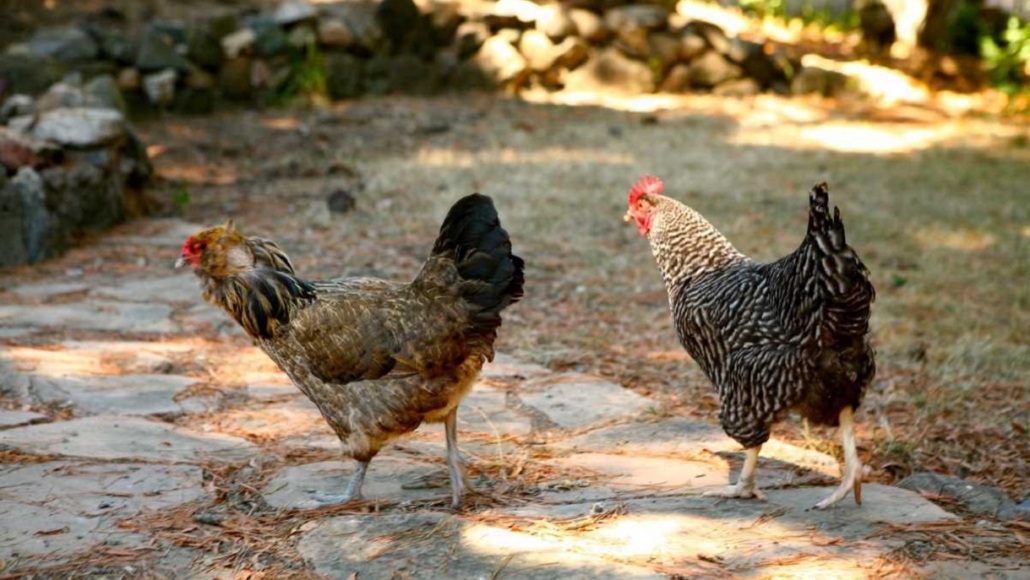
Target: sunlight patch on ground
868,138
432,157
967,240
90,358
199,174
884,84
281,123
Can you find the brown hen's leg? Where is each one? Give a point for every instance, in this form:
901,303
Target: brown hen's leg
353,490
454,458
745,486
851,479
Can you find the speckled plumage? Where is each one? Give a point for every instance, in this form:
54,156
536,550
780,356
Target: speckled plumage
787,335
377,358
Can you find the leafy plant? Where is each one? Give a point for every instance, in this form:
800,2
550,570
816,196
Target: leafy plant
307,74
181,197
1007,61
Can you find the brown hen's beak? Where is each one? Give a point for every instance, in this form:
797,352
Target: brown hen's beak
180,262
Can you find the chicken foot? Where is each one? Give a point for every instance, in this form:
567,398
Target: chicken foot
454,459
351,493
745,486
851,479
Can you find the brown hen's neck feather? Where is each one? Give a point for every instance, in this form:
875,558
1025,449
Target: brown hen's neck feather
685,245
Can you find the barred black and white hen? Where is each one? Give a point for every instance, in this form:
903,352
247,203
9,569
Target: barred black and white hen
787,335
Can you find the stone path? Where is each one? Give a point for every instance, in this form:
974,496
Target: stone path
125,398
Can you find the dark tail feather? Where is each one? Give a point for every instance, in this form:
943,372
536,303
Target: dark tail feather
844,277
472,236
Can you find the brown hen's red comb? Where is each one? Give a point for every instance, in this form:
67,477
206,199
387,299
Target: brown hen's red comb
648,184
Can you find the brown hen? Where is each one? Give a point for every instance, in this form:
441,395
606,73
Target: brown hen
377,358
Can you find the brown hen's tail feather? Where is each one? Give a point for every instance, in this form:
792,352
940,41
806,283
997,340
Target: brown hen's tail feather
472,236
844,277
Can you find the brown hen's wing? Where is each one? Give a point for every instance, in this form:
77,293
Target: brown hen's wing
366,329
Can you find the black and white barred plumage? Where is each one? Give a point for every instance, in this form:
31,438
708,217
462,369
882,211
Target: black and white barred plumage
787,335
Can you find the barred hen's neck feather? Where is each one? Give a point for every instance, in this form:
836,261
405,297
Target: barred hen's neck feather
685,245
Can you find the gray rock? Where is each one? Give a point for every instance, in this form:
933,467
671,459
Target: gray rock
572,52
470,37
10,419
344,76
611,70
817,80
1019,511
713,35
103,92
500,63
398,20
334,32
238,43
538,49
65,94
16,105
745,87
114,437
158,50
29,74
293,11
554,21
204,40
636,16
664,49
234,78
573,401
40,237
440,547
588,25
114,44
711,69
106,316
65,44
676,80
63,507
692,45
269,38
360,16
80,127
12,214
116,395
160,87
979,499
512,13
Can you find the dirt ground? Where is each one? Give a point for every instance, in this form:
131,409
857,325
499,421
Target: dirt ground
936,207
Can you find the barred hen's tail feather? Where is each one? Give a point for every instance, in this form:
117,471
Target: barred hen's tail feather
844,278
472,236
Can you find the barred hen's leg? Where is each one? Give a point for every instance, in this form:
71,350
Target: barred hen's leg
352,491
454,458
851,479
745,486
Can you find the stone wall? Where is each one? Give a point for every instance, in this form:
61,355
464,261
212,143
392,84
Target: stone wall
367,47
69,164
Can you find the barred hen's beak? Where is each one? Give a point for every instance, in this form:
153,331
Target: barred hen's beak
629,216
180,262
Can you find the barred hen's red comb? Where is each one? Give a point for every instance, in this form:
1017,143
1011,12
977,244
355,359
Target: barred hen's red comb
648,184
